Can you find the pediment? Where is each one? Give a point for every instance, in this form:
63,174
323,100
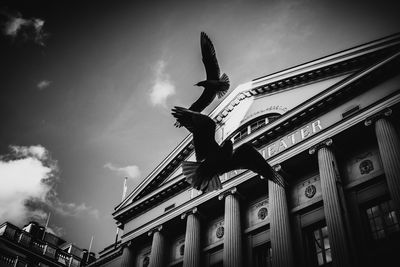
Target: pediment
274,103
279,93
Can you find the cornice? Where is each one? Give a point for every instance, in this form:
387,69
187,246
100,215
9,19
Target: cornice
244,176
340,63
317,105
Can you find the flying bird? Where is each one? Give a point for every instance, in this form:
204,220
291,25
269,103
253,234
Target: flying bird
213,159
214,84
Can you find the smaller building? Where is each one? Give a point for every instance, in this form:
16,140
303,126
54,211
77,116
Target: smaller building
33,246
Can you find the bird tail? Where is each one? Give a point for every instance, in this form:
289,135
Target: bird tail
177,124
225,85
211,185
189,169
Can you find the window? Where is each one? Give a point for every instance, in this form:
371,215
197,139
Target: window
258,124
243,133
262,255
383,220
318,245
322,246
253,126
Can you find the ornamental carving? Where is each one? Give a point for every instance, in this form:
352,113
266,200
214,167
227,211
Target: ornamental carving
262,213
366,166
310,191
182,249
146,261
220,232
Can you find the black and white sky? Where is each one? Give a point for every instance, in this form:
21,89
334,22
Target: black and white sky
86,88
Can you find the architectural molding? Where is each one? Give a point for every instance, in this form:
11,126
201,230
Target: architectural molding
312,71
335,129
156,229
387,112
230,191
192,211
325,143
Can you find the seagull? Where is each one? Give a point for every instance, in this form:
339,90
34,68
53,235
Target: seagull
214,160
214,84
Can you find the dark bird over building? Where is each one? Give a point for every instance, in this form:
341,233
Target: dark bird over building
214,160
214,84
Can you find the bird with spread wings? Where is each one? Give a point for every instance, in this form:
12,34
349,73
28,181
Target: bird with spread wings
214,84
213,159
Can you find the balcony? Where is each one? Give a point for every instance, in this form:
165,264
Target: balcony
39,248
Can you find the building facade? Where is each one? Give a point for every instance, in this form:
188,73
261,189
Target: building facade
330,127
33,246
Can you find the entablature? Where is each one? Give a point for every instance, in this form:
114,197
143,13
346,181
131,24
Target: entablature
359,58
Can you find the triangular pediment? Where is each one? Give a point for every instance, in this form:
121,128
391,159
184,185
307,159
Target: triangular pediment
277,93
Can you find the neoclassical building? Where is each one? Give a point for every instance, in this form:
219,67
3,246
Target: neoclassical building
331,128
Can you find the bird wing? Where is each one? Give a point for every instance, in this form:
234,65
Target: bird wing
204,100
209,57
247,157
203,129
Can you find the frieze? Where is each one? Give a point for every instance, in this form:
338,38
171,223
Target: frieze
276,108
144,257
258,212
178,248
215,231
284,143
364,163
306,191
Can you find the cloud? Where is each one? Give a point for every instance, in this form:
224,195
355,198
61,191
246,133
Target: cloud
43,84
162,87
132,171
28,178
27,29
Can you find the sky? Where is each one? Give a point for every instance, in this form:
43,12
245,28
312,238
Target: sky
86,89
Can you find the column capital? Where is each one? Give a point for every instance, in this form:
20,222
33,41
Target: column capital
192,211
325,143
231,191
381,114
126,244
155,229
277,167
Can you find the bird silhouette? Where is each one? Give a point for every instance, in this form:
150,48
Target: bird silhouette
213,159
214,84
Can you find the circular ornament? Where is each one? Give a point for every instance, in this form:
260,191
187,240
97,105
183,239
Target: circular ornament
220,232
146,261
262,213
310,191
366,166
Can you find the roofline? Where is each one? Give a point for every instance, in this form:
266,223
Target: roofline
344,55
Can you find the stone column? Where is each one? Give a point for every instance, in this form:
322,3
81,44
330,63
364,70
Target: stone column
335,220
128,256
389,148
281,243
192,254
232,255
158,248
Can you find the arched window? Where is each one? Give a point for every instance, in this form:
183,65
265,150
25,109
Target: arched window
253,126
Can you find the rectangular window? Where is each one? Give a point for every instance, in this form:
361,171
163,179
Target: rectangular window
322,246
318,246
262,255
383,220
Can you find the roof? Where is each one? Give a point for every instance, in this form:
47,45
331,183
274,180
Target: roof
358,62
